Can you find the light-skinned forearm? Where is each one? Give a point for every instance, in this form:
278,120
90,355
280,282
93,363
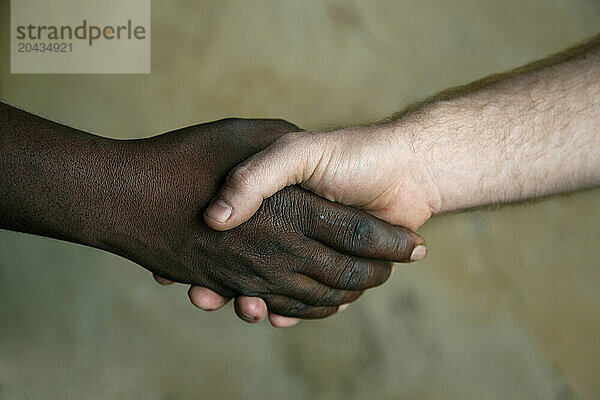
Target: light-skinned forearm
528,133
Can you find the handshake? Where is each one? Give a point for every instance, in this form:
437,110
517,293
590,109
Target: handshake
298,224
298,256
294,255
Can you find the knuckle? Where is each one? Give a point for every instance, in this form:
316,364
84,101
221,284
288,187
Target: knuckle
353,274
323,296
333,297
279,206
239,179
298,287
357,234
284,198
291,308
268,248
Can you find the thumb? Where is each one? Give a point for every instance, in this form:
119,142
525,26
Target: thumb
287,161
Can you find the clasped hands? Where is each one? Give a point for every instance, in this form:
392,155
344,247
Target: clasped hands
299,256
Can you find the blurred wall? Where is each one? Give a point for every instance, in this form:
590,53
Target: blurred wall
506,305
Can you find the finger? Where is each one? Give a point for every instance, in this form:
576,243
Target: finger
162,281
250,309
358,233
288,307
279,321
287,161
341,271
314,293
206,299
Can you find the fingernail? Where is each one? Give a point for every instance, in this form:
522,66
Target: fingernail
418,253
343,307
219,210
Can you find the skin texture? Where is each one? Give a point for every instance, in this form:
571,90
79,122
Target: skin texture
142,199
523,134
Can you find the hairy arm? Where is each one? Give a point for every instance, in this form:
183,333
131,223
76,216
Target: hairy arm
531,132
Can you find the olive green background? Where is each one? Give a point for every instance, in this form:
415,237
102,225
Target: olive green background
506,305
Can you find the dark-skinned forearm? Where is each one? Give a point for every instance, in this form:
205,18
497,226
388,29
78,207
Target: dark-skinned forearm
56,181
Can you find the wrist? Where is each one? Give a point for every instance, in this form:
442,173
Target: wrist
442,135
414,136
124,178
95,192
